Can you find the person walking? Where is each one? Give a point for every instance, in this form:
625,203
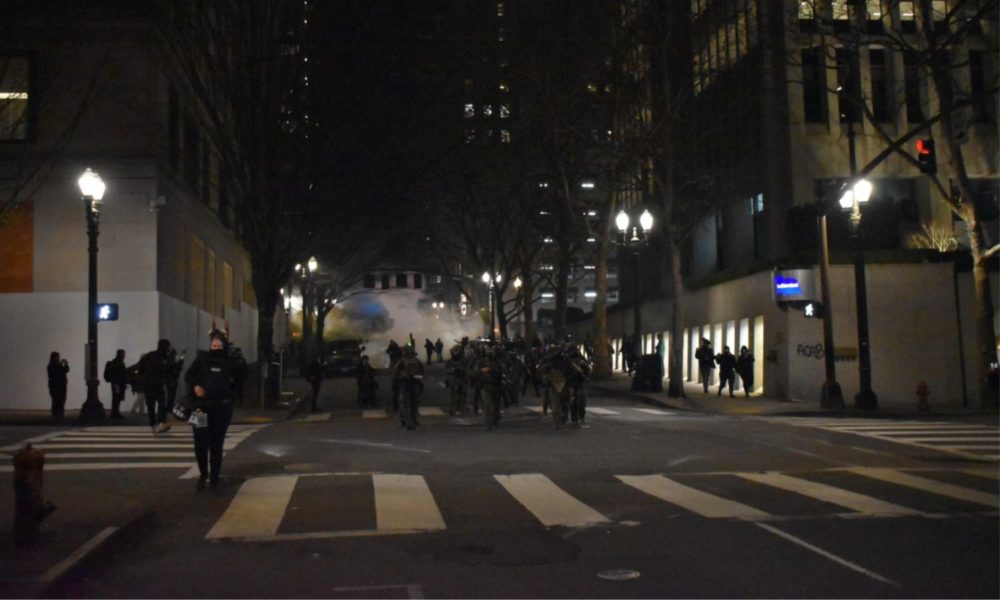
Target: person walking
744,368
57,370
706,363
154,369
439,350
727,370
212,379
394,352
314,375
173,376
661,349
429,347
116,373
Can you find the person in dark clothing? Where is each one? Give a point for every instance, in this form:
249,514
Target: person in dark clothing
173,376
154,369
439,350
744,368
314,375
366,383
57,370
212,379
394,352
429,347
706,363
116,373
727,370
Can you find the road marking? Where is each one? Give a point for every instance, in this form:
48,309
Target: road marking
92,440
317,417
696,501
257,509
830,494
987,473
548,502
405,502
33,440
413,591
430,411
106,466
943,430
537,409
929,485
122,455
601,411
374,414
824,553
982,439
56,570
654,411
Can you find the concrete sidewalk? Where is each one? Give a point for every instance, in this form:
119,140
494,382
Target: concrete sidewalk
78,533
697,400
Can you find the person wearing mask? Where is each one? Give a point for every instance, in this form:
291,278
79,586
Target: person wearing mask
439,350
429,347
744,368
116,373
706,363
212,379
154,369
57,370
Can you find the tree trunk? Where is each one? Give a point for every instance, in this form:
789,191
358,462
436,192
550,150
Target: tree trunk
307,337
986,350
562,287
320,326
675,386
527,294
602,351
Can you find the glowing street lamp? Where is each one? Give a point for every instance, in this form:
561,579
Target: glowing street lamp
92,191
639,237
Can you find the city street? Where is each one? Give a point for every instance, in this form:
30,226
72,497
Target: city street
639,502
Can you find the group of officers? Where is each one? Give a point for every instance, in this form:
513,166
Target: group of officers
492,375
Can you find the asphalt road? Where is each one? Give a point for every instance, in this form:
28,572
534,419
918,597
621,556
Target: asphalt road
639,502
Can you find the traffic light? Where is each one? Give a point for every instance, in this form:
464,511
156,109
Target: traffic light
926,157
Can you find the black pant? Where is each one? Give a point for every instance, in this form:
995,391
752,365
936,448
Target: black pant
315,398
156,408
58,402
117,397
208,441
706,377
725,378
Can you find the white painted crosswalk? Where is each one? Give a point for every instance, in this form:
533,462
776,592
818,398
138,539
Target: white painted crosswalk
981,442
408,504
103,448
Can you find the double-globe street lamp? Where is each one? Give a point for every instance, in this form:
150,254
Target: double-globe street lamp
306,274
490,280
635,238
92,190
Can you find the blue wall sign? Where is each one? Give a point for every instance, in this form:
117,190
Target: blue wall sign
786,286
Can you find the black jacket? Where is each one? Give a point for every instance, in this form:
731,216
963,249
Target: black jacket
115,372
218,374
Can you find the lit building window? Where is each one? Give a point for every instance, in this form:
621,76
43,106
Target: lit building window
590,294
504,136
548,268
470,111
906,12
874,8
589,267
470,136
806,10
504,87
591,87
548,240
487,110
501,9
13,98
840,10
504,111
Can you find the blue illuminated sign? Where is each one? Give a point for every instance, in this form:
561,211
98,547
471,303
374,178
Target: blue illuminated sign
786,286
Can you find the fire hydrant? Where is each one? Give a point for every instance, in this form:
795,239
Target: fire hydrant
30,508
922,393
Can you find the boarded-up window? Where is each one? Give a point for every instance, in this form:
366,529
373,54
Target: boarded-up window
210,300
248,296
197,271
17,246
227,286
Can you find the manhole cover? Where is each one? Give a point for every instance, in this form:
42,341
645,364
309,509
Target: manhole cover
618,574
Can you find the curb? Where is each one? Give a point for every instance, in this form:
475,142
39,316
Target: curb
642,398
109,540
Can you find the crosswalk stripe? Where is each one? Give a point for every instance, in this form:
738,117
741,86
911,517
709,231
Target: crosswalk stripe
957,432
548,502
987,473
56,446
257,510
929,485
405,502
317,417
122,455
106,466
430,411
893,426
689,498
601,411
537,409
654,411
995,441
91,440
374,414
830,494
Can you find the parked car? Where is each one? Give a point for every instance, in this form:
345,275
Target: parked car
343,357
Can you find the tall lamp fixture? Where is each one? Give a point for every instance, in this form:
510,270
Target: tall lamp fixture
92,190
490,280
634,240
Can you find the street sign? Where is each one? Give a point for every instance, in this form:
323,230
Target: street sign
107,312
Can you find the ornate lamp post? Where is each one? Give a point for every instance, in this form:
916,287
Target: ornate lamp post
490,281
92,190
852,200
635,239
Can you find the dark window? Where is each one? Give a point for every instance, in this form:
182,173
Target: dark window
174,129
205,170
720,242
847,86
418,281
880,86
223,198
15,80
759,224
911,75
401,280
385,281
192,154
812,86
369,281
981,100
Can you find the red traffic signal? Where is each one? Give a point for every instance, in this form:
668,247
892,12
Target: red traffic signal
926,158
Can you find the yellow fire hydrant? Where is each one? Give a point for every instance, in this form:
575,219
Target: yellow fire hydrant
922,393
30,508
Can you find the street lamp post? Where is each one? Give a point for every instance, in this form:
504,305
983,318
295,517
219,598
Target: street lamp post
635,240
520,303
490,281
92,189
